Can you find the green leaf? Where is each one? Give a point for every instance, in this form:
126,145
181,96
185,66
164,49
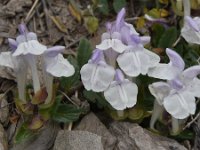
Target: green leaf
97,98
84,52
69,82
65,112
104,7
157,32
118,5
185,135
23,133
168,38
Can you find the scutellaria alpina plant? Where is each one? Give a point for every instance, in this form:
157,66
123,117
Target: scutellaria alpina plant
114,62
121,57
23,56
43,103
177,95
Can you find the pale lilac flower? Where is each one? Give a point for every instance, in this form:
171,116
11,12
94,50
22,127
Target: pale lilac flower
122,93
177,95
96,75
55,65
19,66
25,51
191,30
28,47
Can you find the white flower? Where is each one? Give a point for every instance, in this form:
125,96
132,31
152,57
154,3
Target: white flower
191,30
178,94
56,64
122,93
18,65
96,75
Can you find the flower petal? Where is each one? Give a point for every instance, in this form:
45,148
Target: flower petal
104,45
12,44
163,71
192,72
7,60
180,105
118,46
145,39
131,29
105,36
31,47
97,77
159,90
131,63
192,23
123,95
154,59
175,59
120,19
55,50
58,66
194,87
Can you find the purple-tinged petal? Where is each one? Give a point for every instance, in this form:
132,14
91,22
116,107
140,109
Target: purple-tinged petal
136,39
22,29
192,72
116,35
12,44
54,51
120,19
131,29
119,76
96,56
192,23
175,59
176,84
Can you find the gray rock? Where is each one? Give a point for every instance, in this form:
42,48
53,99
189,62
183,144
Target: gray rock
3,139
44,140
133,137
77,140
92,124
4,111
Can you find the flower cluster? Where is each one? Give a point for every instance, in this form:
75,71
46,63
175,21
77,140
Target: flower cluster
24,53
177,95
119,57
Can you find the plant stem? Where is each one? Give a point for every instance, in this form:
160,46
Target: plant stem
157,112
175,126
186,4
